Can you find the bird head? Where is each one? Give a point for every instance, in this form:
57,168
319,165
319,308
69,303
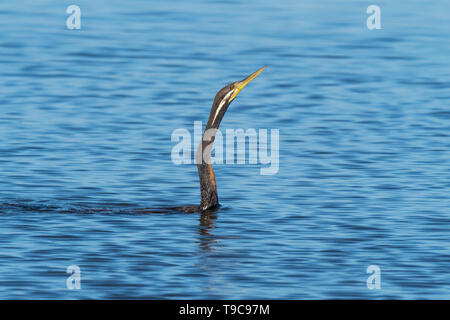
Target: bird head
225,96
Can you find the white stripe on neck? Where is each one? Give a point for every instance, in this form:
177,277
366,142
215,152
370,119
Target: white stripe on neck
221,105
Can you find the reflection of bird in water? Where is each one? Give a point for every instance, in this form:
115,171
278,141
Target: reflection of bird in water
207,240
208,187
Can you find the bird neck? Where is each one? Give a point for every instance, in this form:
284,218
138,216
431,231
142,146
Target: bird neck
208,186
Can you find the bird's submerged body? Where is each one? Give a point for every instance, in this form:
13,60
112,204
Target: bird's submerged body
208,188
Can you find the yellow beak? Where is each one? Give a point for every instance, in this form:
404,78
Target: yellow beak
243,83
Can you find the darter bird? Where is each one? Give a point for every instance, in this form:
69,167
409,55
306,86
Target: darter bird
208,186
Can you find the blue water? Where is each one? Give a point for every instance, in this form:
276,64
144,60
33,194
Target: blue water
86,118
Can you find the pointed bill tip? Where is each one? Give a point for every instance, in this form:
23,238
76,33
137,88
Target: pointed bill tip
243,83
253,75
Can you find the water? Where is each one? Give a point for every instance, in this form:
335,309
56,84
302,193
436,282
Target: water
86,118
